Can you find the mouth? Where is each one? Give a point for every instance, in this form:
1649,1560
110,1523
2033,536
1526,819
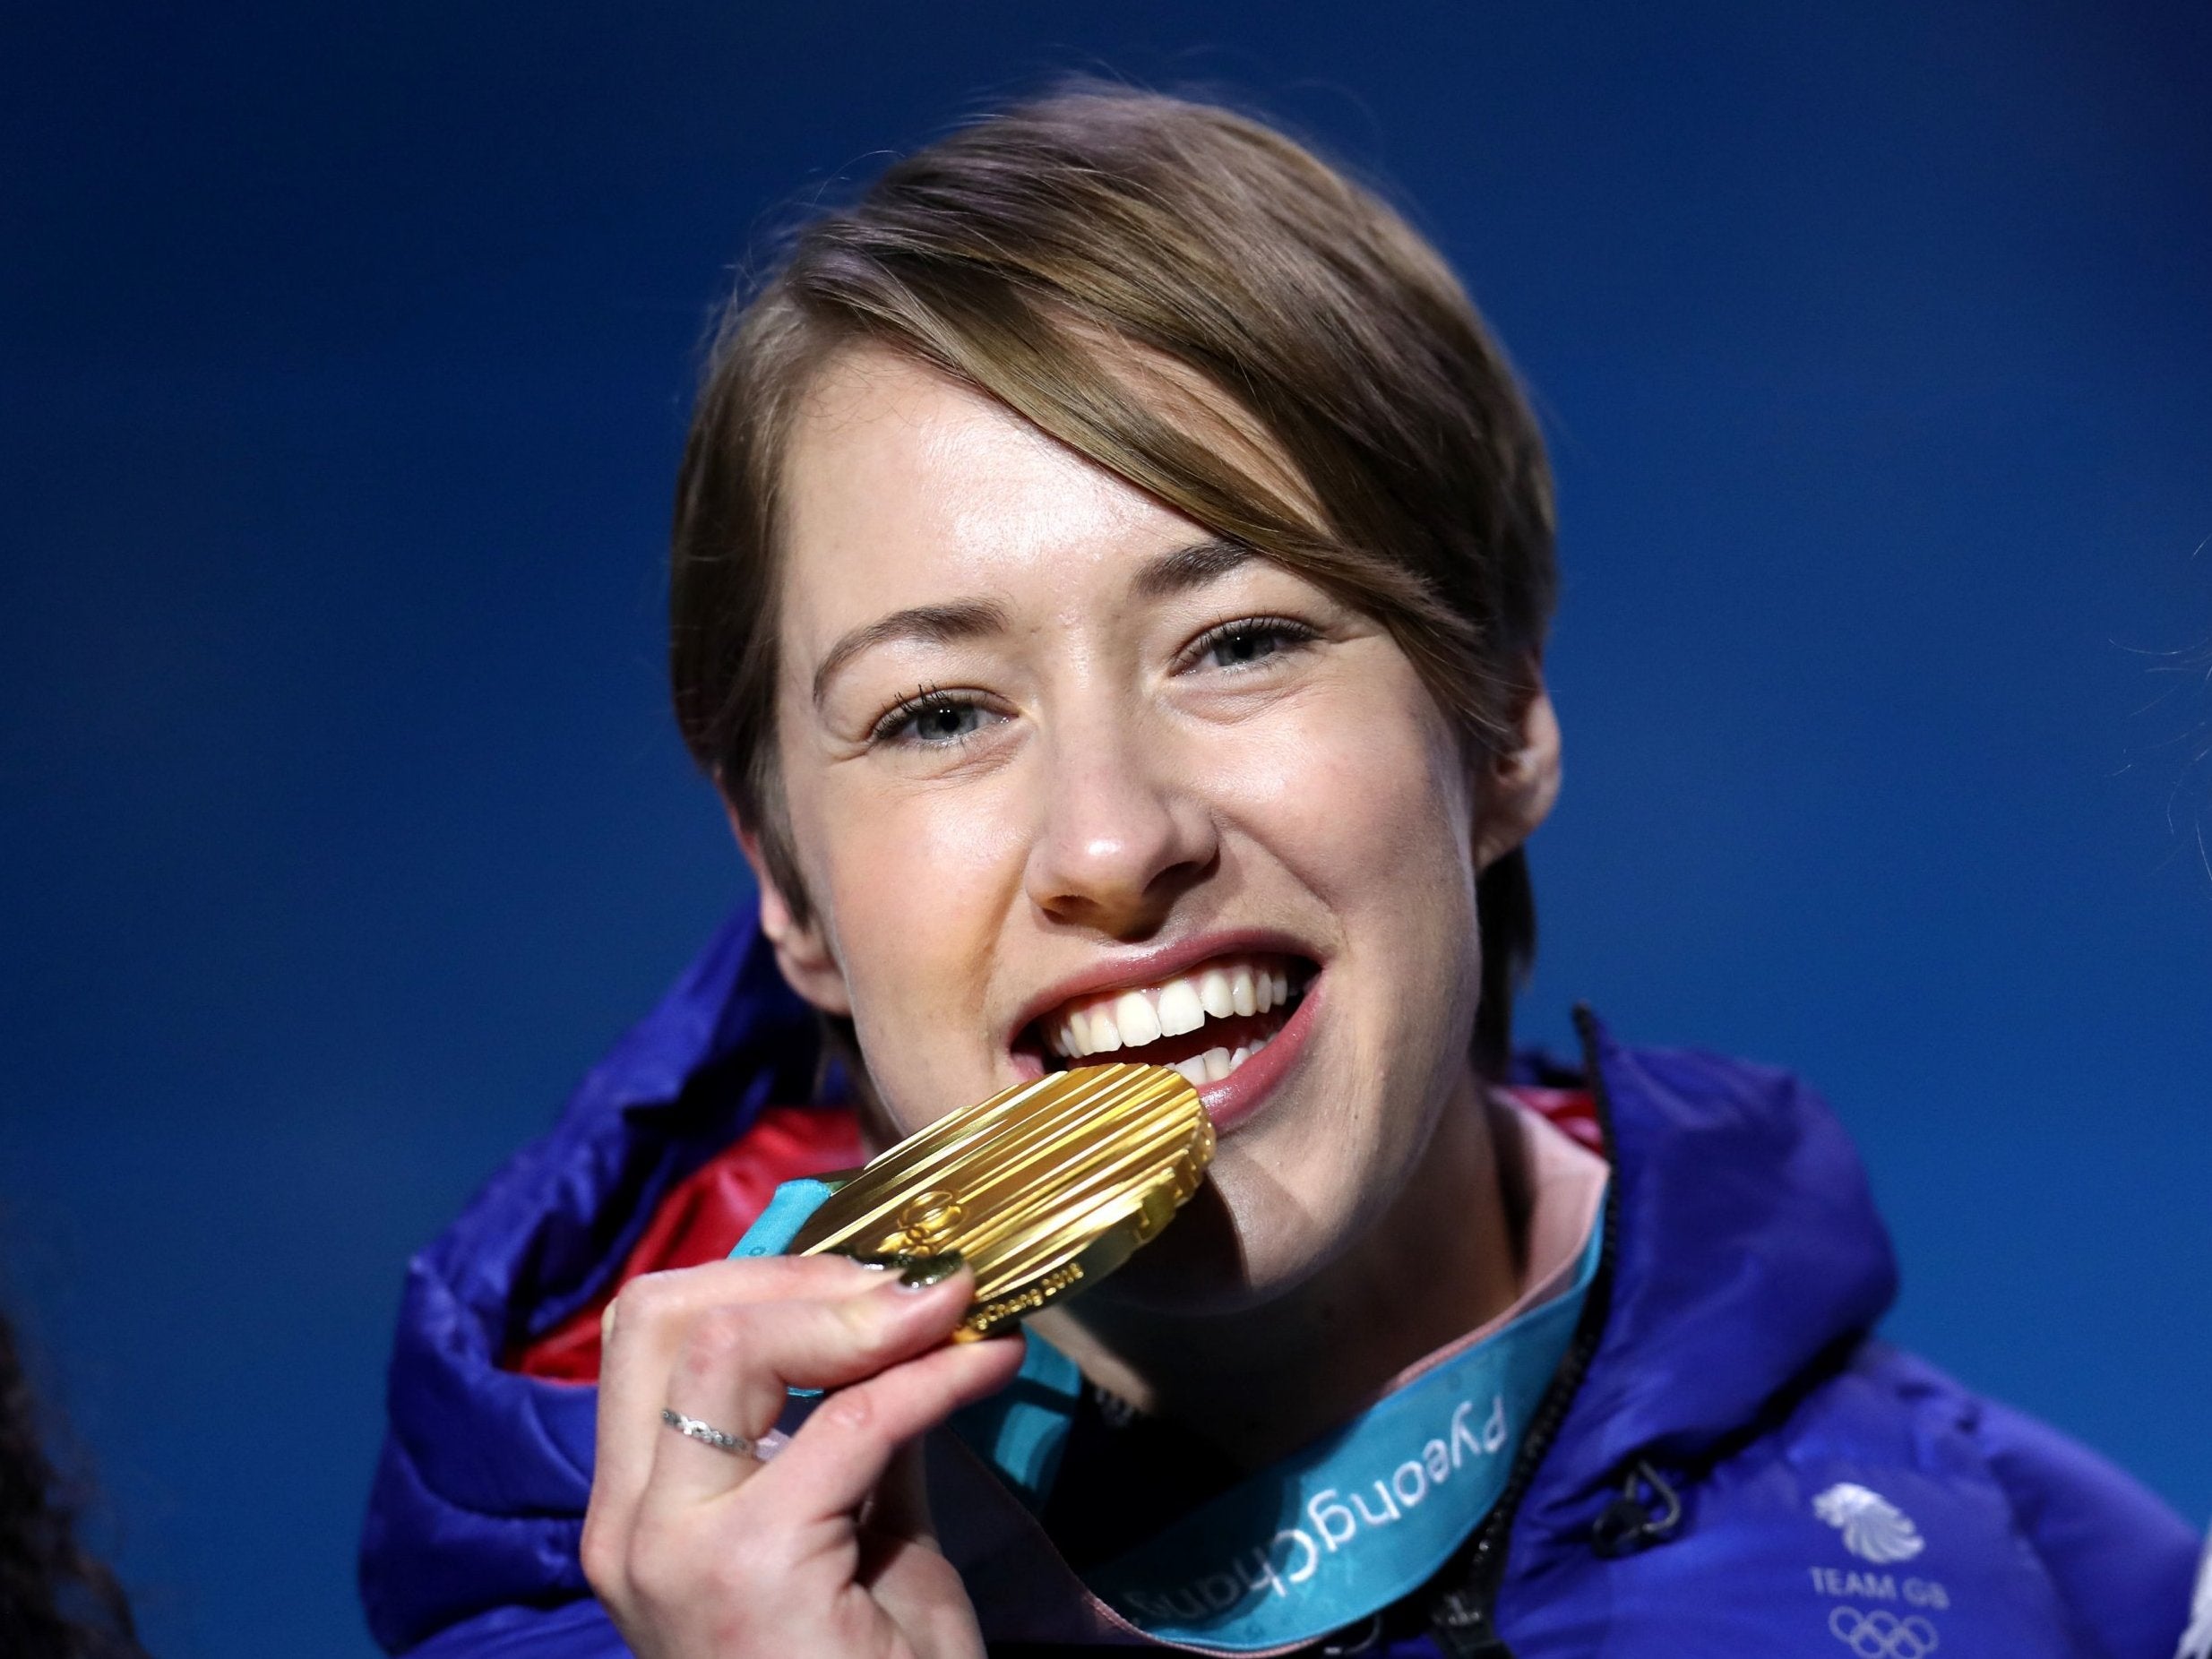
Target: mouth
1207,1022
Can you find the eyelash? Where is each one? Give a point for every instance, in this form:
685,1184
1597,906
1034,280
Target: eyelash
928,700
931,699
1292,632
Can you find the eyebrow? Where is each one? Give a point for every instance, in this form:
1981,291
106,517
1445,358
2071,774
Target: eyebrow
1169,574
1186,568
927,624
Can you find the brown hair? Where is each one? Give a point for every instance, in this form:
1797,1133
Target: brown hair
1024,255
58,1599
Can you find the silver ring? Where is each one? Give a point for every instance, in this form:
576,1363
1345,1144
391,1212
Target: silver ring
707,1434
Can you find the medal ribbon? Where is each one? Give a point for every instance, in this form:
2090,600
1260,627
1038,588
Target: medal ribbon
1361,1517
1321,1539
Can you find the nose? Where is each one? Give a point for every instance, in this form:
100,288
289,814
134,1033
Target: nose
1120,837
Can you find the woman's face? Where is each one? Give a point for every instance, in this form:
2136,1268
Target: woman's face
1066,778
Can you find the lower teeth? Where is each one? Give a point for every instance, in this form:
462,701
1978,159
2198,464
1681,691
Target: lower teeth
1217,1063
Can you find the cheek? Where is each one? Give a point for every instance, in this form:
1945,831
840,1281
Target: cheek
1406,862
1363,803
1361,797
902,875
915,891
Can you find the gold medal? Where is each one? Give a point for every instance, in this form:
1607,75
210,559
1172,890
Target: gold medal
1045,1189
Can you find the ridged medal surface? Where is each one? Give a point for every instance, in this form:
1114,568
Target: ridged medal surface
1044,1188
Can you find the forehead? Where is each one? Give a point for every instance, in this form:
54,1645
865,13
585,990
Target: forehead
899,481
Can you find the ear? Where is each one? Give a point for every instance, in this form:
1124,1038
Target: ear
1522,782
803,953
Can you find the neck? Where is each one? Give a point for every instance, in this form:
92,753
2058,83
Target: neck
1442,1260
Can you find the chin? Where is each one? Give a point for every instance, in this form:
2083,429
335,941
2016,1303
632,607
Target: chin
1242,1240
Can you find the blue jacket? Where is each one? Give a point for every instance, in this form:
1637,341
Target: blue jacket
1728,1465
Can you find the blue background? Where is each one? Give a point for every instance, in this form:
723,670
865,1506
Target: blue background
347,359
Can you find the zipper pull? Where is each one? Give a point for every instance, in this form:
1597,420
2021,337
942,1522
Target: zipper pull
1464,1628
1628,1524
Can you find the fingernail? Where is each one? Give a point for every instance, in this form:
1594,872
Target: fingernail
883,1264
924,1271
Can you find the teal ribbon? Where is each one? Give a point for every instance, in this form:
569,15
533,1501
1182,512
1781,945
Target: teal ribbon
1320,1540
1361,1517
789,1207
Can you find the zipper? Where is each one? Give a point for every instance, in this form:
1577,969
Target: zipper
1463,1620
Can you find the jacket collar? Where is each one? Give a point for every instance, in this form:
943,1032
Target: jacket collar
1746,1247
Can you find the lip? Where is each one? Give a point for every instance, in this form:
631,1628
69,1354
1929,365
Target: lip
1240,1094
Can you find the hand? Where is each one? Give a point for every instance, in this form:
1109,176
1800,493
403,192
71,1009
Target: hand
827,1551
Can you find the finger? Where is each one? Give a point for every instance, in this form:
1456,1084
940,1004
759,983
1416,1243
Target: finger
645,1330
843,1450
738,1363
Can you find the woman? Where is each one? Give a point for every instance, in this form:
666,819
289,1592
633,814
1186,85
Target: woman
1112,566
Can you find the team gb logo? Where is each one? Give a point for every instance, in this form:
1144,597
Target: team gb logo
1873,1528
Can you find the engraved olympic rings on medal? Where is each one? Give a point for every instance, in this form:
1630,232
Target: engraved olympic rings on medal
1880,1635
929,1219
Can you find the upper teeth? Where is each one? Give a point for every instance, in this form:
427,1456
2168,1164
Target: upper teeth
1132,1018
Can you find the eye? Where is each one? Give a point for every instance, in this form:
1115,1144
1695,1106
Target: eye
1248,643
932,720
